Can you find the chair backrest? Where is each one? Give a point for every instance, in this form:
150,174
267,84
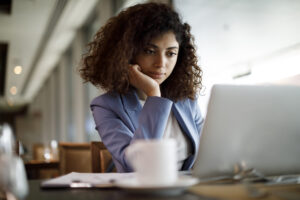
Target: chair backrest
74,157
101,158
38,151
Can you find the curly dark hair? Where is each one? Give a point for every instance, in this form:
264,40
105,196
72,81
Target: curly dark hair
117,43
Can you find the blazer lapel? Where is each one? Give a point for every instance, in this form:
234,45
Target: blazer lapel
132,106
186,121
183,115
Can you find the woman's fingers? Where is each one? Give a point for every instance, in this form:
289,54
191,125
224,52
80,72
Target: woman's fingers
143,82
133,73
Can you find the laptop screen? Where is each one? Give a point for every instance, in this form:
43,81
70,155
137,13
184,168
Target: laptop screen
250,126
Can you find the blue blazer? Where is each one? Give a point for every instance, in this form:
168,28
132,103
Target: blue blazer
121,119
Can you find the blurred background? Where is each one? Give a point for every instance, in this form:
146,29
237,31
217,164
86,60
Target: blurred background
45,101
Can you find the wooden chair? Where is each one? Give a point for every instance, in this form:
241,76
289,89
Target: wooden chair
101,158
38,151
39,167
74,157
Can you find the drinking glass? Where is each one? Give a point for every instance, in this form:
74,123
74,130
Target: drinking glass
13,179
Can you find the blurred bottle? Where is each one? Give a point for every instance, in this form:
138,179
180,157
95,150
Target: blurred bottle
13,180
54,149
7,141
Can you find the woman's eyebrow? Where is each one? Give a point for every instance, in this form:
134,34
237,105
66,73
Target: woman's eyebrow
175,47
156,47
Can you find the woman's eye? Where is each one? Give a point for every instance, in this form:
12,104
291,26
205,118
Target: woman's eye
149,51
170,54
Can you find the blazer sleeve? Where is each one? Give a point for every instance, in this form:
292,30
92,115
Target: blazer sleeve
117,130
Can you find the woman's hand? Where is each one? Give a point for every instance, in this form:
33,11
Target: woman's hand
143,82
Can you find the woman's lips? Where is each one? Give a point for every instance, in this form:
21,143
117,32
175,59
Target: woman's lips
156,75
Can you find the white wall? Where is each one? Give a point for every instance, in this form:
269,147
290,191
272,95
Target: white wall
260,37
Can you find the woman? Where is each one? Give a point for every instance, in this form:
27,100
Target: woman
145,59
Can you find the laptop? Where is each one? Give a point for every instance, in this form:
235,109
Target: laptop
250,127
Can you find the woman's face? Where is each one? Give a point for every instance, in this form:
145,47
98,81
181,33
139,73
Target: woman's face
158,58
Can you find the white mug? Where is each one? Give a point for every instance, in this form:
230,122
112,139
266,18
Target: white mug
155,161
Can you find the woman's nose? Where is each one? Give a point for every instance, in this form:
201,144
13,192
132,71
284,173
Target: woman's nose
160,61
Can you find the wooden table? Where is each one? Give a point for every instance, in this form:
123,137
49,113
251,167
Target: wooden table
201,192
38,169
248,191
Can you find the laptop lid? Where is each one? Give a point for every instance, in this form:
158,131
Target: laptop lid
253,127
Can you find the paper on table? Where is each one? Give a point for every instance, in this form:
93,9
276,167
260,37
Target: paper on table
86,180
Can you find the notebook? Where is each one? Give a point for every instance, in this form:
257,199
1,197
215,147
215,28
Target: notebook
248,127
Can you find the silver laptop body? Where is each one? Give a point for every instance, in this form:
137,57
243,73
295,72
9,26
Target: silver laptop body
250,126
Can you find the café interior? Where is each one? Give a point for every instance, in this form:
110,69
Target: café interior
45,102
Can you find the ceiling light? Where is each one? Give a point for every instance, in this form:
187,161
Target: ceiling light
13,90
18,69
